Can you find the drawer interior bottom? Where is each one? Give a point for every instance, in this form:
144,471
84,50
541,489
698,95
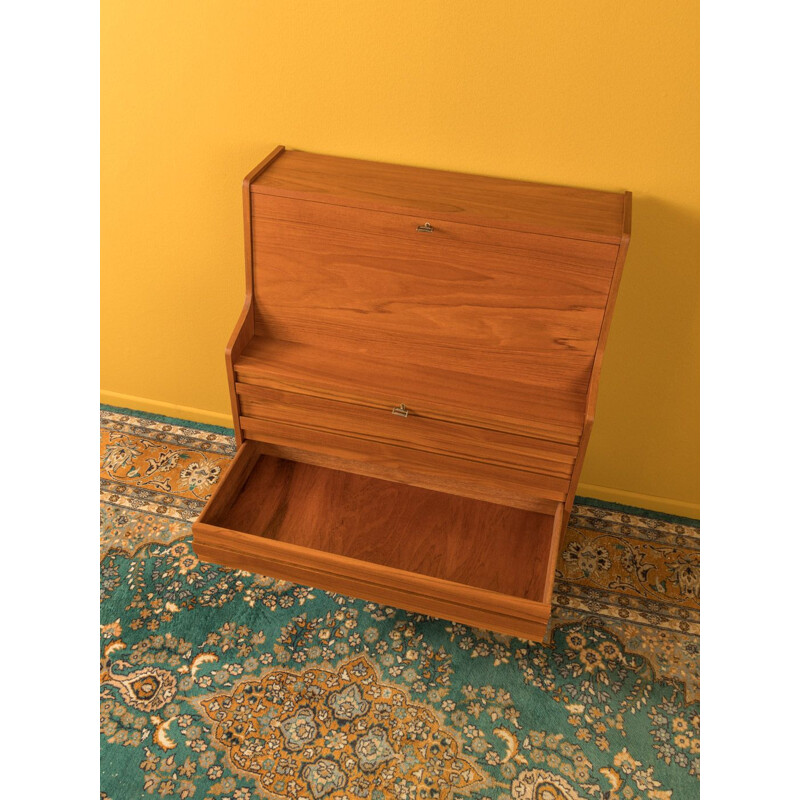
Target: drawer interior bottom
446,537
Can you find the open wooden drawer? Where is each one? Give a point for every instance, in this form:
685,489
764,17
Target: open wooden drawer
435,553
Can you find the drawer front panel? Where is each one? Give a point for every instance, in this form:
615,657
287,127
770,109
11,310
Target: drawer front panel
380,585
438,471
414,431
503,312
458,397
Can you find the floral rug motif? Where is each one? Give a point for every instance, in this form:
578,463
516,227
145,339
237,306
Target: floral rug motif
217,683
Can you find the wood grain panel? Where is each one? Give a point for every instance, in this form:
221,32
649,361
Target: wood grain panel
517,205
453,306
414,431
363,376
453,538
585,255
430,470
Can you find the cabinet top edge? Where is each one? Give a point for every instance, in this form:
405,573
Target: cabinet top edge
548,209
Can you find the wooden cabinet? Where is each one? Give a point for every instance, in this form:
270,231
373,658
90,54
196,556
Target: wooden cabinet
413,380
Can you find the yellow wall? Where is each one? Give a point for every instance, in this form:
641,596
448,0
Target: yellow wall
599,93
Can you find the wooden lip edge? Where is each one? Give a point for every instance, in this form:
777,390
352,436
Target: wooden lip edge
378,575
262,165
627,211
263,188
555,548
437,171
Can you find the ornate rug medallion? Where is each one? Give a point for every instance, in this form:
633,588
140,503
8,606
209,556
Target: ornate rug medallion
336,735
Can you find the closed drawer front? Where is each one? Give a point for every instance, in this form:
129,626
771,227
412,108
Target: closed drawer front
440,472
402,460
414,431
462,398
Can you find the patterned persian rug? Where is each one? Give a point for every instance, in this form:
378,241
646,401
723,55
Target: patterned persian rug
221,684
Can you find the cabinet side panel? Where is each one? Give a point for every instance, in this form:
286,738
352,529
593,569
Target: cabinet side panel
245,326
594,379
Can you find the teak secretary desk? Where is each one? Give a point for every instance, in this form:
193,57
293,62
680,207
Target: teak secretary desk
413,380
